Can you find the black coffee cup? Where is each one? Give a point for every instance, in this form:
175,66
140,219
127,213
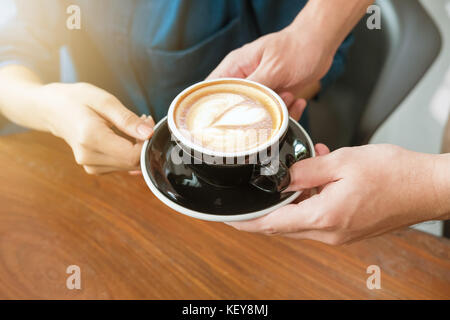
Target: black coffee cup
259,166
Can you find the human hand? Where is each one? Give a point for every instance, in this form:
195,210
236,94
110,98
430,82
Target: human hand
290,60
84,116
363,192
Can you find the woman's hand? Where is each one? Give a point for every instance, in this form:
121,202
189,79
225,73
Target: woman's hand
363,192
104,135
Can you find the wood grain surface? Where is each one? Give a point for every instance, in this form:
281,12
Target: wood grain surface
129,245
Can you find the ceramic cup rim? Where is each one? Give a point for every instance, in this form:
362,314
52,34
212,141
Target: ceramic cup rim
212,217
186,142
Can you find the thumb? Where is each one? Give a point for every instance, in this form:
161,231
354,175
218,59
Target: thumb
122,118
312,172
239,63
263,75
321,149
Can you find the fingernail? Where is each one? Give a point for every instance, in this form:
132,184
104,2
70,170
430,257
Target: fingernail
144,131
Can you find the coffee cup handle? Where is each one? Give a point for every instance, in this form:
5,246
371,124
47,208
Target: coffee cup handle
272,177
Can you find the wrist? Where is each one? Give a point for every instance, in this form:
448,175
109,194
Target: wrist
421,184
18,100
41,100
329,22
310,23
440,185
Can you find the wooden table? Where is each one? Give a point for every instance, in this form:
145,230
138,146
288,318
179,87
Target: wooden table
129,245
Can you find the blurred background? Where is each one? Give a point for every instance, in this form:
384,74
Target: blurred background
395,90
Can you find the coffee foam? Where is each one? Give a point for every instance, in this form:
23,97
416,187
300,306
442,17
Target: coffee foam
228,117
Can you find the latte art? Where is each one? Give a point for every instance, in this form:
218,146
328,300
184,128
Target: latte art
228,118
244,113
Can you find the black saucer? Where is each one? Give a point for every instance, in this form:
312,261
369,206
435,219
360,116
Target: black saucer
180,188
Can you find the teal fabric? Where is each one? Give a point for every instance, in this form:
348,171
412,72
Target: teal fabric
144,52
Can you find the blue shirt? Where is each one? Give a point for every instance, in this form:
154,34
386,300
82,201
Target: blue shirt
143,52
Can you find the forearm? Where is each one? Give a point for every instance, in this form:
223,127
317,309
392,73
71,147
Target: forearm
330,21
441,185
446,137
422,185
18,86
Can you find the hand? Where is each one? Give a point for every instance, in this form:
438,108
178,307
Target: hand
363,192
84,116
290,60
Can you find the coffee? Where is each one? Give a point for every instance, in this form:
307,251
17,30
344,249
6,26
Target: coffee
228,116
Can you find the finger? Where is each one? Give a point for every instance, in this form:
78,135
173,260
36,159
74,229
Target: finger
100,169
261,73
288,98
258,76
89,157
110,144
149,120
297,109
110,108
321,149
228,68
316,235
239,63
312,172
288,219
135,172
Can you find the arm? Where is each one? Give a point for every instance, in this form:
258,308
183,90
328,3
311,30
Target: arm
330,21
18,107
441,183
446,138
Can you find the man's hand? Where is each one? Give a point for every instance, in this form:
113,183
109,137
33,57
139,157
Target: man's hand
84,116
297,57
363,192
286,61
